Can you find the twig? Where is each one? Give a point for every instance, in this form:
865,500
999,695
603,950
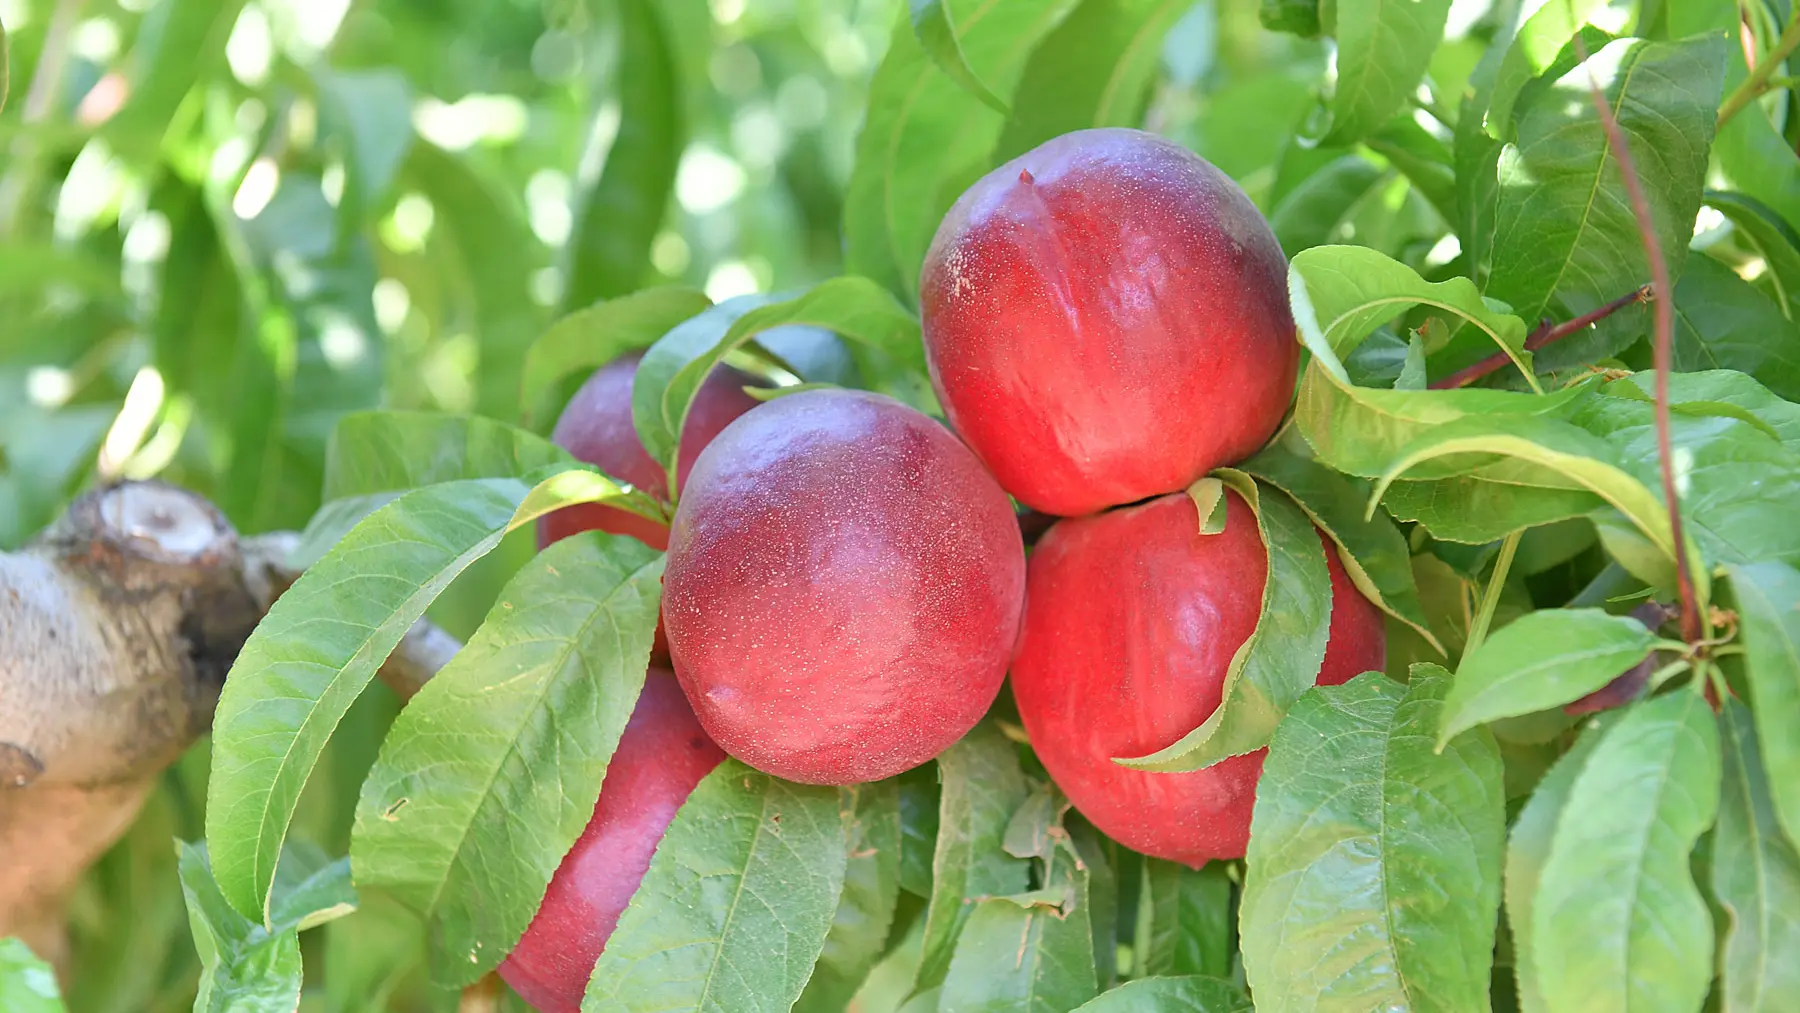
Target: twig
1665,324
1544,334
1762,78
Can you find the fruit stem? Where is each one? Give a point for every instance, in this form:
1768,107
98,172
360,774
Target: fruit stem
1490,600
1763,77
1545,333
1665,321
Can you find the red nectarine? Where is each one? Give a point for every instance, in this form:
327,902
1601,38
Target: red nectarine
1131,669
1106,319
843,588
661,757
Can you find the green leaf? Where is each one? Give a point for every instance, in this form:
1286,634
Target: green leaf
919,796
609,250
1529,846
1617,922
1768,603
179,44
1383,50
1281,659
1474,511
924,139
1094,70
592,337
736,905
320,644
1314,212
475,215
1564,231
1723,322
1534,50
1028,954
1756,878
5,68
1374,553
372,111
673,369
488,776
1296,17
1542,660
247,967
937,34
1560,450
865,910
1342,293
393,451
27,984
1421,157
1189,994
1769,235
983,787
1389,850
1183,920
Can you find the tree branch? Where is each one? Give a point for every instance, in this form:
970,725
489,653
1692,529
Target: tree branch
1663,347
1545,333
117,627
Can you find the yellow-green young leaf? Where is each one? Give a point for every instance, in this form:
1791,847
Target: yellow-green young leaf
983,786
1528,847
1564,232
1348,291
736,905
1028,954
935,31
1542,660
1768,606
1373,876
246,967
1535,48
1185,994
865,910
1095,70
1373,551
609,250
673,369
1360,430
1617,922
490,773
924,139
1556,453
1281,660
316,650
592,337
1756,878
1383,50
1183,920
27,984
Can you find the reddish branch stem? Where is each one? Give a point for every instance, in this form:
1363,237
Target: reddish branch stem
1663,348
1544,334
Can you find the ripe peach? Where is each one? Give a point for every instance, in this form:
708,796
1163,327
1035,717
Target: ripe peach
843,588
1106,319
661,757
1132,618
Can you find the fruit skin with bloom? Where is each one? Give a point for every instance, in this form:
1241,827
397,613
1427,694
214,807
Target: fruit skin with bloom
1132,618
1106,319
843,588
661,757
596,427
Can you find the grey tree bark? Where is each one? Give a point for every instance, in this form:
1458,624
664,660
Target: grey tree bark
118,625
